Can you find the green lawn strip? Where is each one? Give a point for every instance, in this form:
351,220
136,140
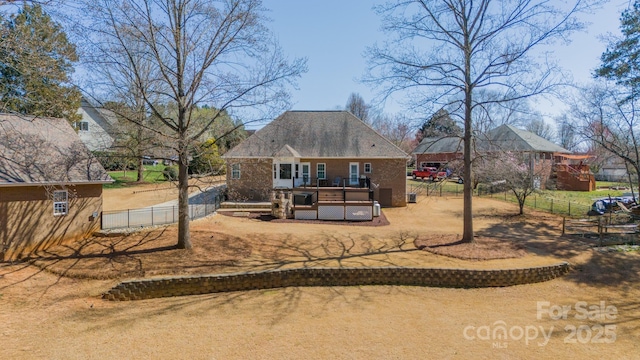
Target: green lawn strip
571,203
151,174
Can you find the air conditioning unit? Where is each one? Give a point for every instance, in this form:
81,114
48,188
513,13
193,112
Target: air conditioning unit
413,197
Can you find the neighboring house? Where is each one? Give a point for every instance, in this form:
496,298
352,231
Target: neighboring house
550,162
50,185
612,169
316,149
95,127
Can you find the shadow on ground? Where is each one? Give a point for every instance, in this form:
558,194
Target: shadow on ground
153,253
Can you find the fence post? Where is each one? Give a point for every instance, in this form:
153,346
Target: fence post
173,213
569,208
535,202
152,224
552,206
505,195
128,217
441,189
600,230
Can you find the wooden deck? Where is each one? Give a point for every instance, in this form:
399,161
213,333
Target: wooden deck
333,203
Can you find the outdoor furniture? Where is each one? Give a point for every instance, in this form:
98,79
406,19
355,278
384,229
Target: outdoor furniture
336,181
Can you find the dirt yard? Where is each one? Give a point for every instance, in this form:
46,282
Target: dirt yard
143,195
56,314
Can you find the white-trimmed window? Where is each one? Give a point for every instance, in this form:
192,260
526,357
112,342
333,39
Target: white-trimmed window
60,202
83,126
367,168
285,171
321,171
235,171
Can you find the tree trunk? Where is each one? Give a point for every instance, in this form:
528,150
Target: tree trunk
184,236
140,170
467,234
139,154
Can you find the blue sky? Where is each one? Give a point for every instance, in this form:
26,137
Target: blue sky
333,35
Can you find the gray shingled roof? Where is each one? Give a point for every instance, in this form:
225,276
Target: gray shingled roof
504,137
511,138
38,150
439,145
316,134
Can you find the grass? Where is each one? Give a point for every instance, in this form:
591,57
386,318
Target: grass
572,203
151,174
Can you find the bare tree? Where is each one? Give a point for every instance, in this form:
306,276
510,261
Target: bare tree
566,133
605,116
358,107
541,128
444,51
493,110
200,52
515,172
396,128
117,75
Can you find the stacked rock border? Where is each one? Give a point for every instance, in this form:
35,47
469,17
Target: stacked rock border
270,279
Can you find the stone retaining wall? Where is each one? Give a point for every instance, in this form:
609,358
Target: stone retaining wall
457,278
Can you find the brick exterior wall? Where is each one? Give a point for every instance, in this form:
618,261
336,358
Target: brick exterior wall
256,181
454,278
27,223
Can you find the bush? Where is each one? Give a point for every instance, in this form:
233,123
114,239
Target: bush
170,173
205,159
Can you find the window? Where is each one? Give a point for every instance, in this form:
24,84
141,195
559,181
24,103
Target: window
235,171
322,174
285,171
60,202
367,168
83,126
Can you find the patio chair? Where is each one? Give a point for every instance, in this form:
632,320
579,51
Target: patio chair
336,181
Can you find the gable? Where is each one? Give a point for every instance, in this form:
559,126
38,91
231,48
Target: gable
98,123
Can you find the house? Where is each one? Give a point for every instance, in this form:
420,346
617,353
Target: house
50,185
95,126
321,149
612,168
552,164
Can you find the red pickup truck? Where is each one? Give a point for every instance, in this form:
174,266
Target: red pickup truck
430,173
